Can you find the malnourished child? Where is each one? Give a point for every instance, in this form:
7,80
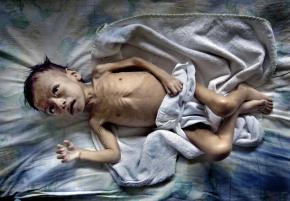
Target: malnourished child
132,98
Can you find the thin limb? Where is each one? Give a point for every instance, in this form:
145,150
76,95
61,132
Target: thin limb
226,105
218,146
215,146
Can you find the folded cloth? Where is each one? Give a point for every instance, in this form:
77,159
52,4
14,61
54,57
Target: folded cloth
152,159
182,110
221,50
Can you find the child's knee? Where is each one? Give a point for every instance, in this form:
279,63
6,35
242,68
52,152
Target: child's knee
220,151
225,107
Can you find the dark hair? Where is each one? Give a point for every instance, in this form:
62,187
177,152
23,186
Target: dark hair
28,84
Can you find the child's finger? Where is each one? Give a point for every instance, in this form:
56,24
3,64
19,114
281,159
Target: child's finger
65,159
61,148
70,143
66,143
178,82
60,151
167,90
173,91
179,88
71,148
59,156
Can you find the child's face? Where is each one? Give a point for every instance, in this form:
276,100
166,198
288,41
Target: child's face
58,93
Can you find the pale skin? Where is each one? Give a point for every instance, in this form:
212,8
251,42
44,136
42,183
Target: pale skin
132,99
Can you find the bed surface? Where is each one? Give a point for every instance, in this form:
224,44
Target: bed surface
63,31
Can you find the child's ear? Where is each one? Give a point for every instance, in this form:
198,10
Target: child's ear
74,75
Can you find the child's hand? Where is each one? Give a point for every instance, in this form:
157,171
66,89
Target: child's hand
172,85
67,151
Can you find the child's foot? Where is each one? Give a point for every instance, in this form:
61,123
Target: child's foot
253,94
268,107
255,106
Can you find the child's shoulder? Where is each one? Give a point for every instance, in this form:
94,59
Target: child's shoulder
99,111
96,118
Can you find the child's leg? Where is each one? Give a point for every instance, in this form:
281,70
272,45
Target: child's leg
215,146
218,146
227,105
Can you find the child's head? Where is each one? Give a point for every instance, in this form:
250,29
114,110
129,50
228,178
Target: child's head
54,89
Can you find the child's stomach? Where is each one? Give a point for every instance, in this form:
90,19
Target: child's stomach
139,104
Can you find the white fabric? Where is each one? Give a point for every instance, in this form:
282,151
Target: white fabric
222,51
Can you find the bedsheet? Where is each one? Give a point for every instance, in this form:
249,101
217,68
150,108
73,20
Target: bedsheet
63,31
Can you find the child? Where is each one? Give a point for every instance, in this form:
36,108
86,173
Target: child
133,99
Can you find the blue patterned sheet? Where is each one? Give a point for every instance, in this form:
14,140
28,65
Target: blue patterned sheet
64,30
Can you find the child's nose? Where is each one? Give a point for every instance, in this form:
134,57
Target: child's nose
61,103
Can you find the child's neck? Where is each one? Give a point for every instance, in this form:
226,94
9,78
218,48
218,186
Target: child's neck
90,95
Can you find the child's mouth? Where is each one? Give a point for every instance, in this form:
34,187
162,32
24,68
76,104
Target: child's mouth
72,106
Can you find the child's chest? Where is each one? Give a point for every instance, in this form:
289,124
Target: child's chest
129,99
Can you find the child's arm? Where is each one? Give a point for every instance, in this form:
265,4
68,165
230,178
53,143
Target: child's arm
110,153
171,84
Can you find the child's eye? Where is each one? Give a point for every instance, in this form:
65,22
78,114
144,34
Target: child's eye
51,109
55,89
